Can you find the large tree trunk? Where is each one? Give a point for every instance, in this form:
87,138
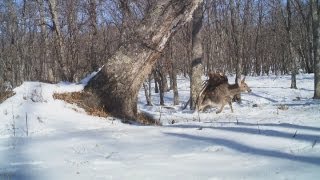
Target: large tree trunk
315,8
116,86
197,53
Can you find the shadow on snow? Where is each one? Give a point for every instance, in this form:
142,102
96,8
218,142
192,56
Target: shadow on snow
295,135
248,149
20,166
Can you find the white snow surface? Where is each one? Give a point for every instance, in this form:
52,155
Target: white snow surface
42,138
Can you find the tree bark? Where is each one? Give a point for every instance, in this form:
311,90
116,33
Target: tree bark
315,8
149,85
61,61
161,87
238,37
156,81
46,70
291,58
197,53
146,93
93,35
174,84
163,79
116,86
236,40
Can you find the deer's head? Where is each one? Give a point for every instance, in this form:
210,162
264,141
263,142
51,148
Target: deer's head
243,86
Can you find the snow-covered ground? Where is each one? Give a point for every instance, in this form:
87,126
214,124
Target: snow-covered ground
42,138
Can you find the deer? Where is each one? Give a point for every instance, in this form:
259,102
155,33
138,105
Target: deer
221,95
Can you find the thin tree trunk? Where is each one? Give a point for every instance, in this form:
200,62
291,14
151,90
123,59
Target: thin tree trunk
117,85
291,58
164,80
61,61
45,75
149,85
170,80
197,53
161,82
315,8
94,33
146,93
162,88
156,81
237,43
175,87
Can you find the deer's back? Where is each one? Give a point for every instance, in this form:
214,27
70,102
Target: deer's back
222,91
218,94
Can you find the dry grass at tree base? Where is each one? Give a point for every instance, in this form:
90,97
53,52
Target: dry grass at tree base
147,119
6,95
83,100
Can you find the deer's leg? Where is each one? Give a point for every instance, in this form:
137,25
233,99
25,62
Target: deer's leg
221,108
230,103
203,105
200,108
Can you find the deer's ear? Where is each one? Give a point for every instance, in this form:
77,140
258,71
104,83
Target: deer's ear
244,78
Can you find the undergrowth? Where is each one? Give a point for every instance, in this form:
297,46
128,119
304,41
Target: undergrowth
6,95
83,99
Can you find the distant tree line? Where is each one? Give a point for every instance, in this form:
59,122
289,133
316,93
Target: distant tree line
54,40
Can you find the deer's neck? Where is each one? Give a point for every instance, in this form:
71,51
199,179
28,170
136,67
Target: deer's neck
234,89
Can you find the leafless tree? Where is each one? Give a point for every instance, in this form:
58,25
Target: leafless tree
54,40
197,53
61,60
315,9
119,81
290,44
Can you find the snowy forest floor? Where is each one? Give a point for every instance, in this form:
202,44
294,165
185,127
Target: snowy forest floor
273,134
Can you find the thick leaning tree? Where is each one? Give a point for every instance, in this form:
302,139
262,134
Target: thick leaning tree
116,86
